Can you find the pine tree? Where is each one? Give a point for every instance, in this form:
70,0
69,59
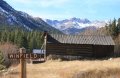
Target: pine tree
31,44
24,42
16,36
118,25
22,38
114,28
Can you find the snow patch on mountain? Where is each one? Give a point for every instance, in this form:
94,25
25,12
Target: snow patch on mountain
75,24
2,11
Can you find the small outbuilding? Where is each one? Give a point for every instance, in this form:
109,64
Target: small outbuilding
41,53
79,45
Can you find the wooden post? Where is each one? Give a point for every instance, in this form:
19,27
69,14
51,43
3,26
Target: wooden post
22,64
45,42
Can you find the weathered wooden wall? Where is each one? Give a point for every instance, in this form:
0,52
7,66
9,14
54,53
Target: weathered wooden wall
79,50
117,51
69,49
103,50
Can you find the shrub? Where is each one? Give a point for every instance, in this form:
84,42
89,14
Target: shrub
2,67
8,48
1,61
1,58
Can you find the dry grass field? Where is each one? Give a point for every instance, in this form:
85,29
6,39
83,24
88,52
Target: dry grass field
69,69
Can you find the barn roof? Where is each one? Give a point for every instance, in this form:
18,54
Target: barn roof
83,39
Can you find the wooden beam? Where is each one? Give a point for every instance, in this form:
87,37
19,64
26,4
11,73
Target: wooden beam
22,64
45,42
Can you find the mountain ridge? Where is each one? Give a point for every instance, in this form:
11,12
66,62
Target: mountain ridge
69,26
9,16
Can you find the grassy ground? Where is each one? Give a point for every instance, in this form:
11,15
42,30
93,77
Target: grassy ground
70,69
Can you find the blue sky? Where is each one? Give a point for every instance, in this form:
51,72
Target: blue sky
63,9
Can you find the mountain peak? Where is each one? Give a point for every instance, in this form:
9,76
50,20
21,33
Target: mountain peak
73,25
74,19
11,17
4,5
1,0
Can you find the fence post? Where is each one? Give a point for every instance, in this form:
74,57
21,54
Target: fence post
22,64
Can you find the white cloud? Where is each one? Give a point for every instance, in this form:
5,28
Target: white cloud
92,6
100,2
47,3
43,3
46,15
22,1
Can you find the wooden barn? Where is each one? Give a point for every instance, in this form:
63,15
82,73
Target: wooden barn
79,45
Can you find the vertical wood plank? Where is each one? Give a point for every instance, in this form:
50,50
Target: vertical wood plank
22,64
45,44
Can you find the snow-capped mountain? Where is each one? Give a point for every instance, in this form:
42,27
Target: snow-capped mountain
11,17
75,25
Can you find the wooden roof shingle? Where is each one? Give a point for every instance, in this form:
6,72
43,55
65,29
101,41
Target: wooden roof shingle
84,39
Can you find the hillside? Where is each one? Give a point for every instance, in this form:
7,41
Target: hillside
11,17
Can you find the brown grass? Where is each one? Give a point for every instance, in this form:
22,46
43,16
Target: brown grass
7,48
71,69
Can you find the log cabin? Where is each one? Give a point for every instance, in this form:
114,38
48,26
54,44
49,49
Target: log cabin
79,45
